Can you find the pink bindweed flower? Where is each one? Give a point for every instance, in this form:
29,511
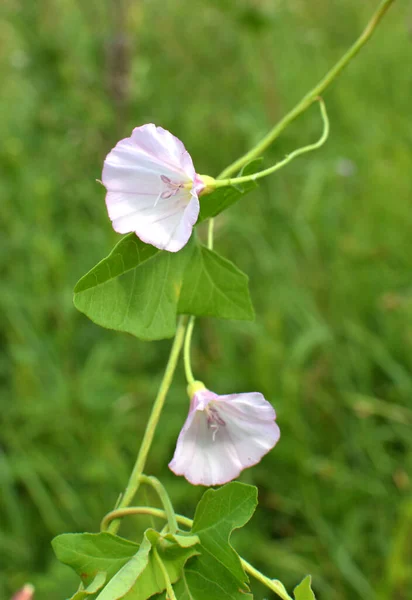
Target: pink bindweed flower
152,188
223,435
26,593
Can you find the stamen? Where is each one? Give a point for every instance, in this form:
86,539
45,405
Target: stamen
214,420
172,189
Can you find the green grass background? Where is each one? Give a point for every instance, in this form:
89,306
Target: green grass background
326,242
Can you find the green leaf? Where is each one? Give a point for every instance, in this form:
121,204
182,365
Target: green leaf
217,572
129,253
130,571
152,581
93,588
126,577
218,513
215,287
205,580
303,591
90,553
148,580
216,202
134,289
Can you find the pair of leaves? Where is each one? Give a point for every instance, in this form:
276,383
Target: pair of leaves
140,290
202,561
113,568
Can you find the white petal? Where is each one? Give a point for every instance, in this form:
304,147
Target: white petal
251,405
202,460
128,169
250,426
164,147
136,163
166,223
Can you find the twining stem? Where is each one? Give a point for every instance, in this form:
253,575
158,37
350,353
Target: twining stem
304,103
273,584
234,181
135,477
307,100
169,588
164,498
186,351
119,513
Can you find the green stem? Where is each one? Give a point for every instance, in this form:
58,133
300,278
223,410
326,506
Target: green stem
287,159
273,584
169,588
186,351
119,513
227,182
210,231
312,95
164,498
134,480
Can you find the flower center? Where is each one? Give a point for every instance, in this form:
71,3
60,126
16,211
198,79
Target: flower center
172,188
214,420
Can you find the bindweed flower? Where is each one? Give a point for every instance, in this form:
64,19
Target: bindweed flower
223,435
26,593
152,188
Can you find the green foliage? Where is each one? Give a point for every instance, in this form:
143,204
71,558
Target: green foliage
303,591
135,289
326,244
214,287
95,586
220,512
91,553
133,572
140,289
217,572
125,569
142,576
